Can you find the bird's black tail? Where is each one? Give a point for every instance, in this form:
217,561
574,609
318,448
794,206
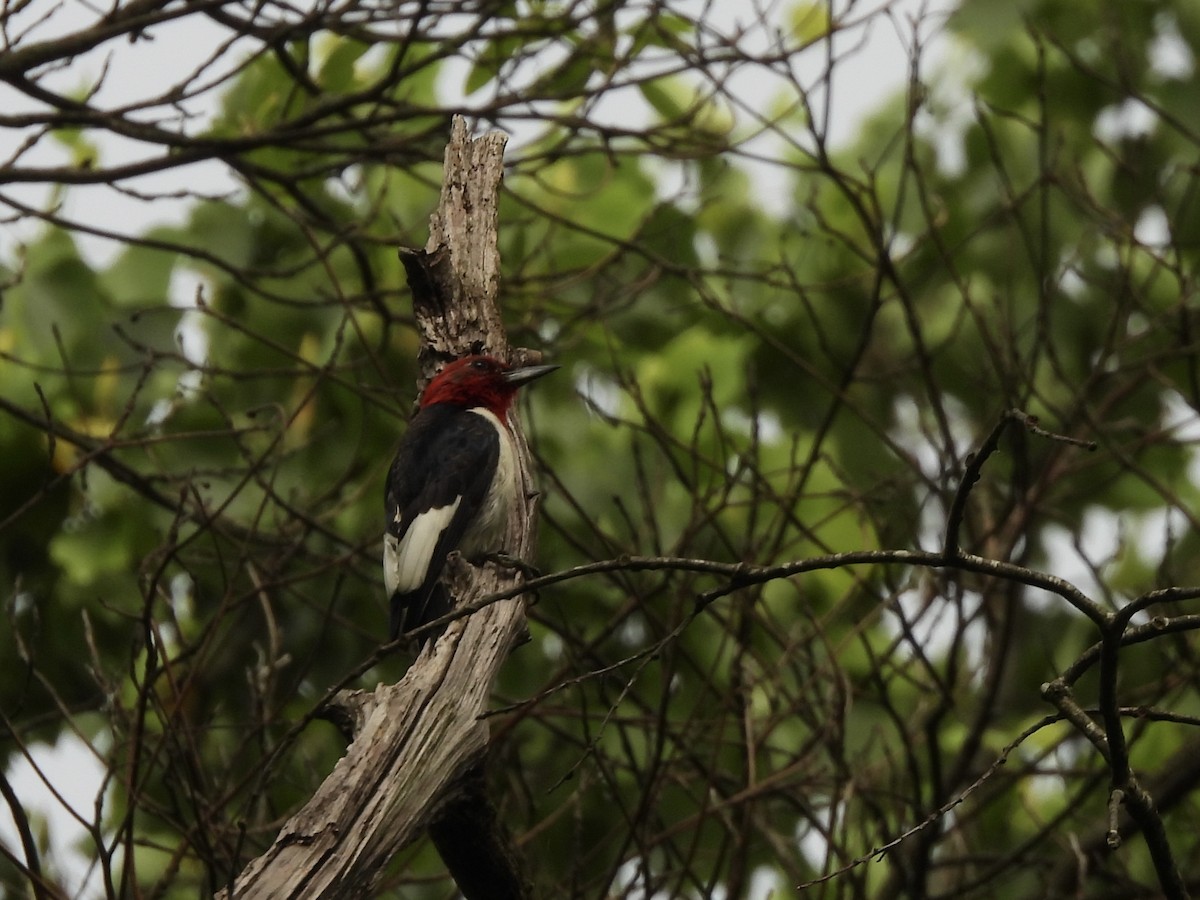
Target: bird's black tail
410,611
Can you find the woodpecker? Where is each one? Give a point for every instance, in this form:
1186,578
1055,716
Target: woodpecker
453,483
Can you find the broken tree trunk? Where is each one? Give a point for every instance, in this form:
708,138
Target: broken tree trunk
416,760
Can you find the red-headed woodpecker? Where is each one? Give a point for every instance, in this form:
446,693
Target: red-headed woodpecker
452,485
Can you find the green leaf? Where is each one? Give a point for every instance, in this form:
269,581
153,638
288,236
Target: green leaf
338,73
668,96
809,21
141,274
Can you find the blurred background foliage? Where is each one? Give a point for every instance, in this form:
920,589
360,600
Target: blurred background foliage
774,346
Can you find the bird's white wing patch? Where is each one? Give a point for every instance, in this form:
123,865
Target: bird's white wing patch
406,560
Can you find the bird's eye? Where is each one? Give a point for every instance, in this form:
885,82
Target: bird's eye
480,365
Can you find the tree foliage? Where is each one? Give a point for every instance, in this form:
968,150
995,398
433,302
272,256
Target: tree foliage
883,448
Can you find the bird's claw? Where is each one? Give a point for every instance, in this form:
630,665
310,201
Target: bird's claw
508,561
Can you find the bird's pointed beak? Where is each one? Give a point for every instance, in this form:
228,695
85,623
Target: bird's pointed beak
526,374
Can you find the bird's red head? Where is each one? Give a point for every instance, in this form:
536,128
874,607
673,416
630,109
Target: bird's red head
480,381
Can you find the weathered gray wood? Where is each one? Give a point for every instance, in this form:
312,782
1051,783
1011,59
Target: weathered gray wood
456,278
421,742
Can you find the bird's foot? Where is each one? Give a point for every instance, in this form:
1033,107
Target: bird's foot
508,561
